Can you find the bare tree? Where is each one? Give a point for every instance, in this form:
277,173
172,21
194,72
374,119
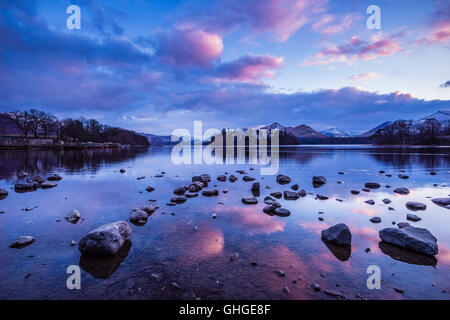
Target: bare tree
22,120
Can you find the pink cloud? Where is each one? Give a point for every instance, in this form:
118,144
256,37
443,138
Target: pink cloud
249,68
354,50
328,25
279,18
186,46
366,76
440,34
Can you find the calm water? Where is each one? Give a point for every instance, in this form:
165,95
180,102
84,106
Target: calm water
168,249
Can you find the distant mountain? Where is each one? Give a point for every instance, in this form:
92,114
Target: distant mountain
371,132
304,131
333,132
301,131
156,140
441,116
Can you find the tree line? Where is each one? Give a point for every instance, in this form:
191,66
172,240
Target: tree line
38,124
407,132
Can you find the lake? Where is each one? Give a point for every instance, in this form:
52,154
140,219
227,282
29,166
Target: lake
183,253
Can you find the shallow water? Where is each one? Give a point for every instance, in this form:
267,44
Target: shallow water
168,249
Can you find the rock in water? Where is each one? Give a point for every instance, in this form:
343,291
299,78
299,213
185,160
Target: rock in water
222,178
250,200
276,194
178,199
26,186
38,179
372,185
403,176
3,194
416,206
282,179
105,240
355,192
196,186
443,202
54,177
73,216
413,217
210,193
321,197
150,189
138,216
416,239
148,209
371,202
319,181
48,185
387,201
248,178
179,191
402,191
289,195
339,234
22,242
282,212
375,220
232,178
256,187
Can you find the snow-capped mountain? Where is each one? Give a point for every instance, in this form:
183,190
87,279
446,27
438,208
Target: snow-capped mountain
335,133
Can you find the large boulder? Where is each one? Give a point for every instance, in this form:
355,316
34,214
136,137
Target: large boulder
443,202
282,179
412,238
105,240
416,206
339,234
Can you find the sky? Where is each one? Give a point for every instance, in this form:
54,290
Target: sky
155,66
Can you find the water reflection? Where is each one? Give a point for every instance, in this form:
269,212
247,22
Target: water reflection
104,267
342,253
408,256
38,161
